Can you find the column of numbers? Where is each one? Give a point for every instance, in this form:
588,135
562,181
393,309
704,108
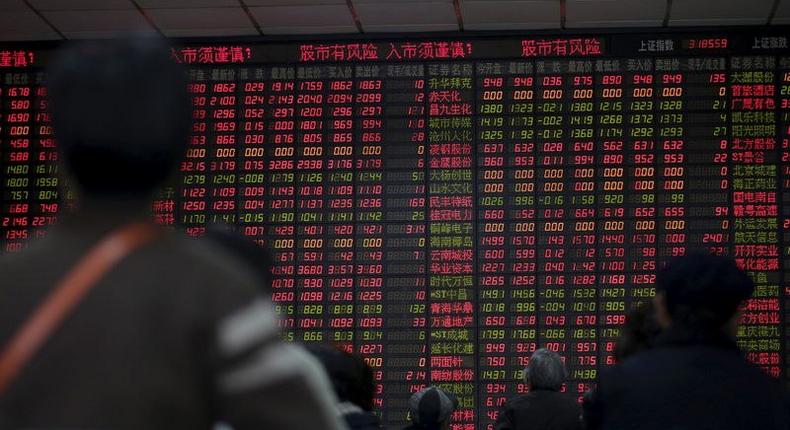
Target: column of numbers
551,197
671,199
18,139
251,170
313,307
520,277
641,135
280,191
46,182
370,235
194,166
611,139
582,223
402,169
341,252
492,253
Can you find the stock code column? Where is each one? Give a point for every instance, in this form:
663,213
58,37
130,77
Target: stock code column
451,236
755,194
402,169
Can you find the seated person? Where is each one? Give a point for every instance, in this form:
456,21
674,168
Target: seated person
543,407
694,377
431,409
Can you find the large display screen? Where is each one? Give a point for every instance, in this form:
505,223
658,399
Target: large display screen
447,205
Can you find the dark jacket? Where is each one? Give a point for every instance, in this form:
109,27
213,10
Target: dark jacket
690,380
173,337
362,421
540,410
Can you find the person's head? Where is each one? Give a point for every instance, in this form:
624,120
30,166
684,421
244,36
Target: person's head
351,376
432,408
640,331
701,291
545,371
121,115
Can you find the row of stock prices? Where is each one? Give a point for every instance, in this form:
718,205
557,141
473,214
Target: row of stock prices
446,206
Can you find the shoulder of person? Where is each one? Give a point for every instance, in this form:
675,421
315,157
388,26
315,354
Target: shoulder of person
565,396
206,258
570,402
519,400
556,399
202,276
659,356
611,378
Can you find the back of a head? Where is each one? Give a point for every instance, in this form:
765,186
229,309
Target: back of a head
432,408
703,290
640,331
545,371
352,378
121,114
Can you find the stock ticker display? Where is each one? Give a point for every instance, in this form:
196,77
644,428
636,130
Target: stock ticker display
445,206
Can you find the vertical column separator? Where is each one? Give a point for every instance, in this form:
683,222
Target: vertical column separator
475,254
427,221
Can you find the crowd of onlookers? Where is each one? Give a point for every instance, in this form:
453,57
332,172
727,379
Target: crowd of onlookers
678,367
111,323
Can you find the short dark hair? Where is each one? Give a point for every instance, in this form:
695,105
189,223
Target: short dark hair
121,114
703,290
352,378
